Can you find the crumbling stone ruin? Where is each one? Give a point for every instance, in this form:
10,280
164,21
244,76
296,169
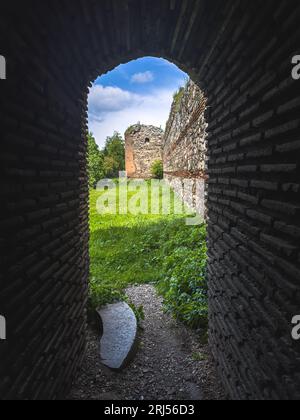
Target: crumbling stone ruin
143,145
185,147
182,147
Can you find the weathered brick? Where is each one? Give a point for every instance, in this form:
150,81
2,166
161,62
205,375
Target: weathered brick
264,185
260,217
279,168
277,243
281,206
282,129
288,147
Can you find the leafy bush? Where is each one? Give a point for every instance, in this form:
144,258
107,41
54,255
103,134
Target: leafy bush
138,312
157,169
183,281
102,294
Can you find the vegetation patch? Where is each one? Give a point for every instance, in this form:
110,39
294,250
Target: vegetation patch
158,249
106,163
133,129
177,98
157,169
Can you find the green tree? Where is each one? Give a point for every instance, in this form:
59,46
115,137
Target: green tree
110,167
95,162
114,155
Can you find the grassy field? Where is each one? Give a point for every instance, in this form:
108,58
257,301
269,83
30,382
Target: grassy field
145,248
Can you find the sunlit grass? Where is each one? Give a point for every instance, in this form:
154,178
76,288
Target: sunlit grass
145,248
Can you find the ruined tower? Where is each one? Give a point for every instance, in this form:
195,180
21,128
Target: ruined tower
143,146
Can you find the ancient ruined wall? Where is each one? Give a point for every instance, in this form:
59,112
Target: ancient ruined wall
143,146
184,147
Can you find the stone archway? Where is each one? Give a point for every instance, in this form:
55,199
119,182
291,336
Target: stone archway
240,55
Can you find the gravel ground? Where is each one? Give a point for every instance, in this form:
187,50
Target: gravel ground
170,364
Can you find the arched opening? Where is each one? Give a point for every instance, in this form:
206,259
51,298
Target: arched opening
144,237
240,58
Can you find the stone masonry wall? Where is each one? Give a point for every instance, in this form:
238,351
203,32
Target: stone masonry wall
143,146
185,147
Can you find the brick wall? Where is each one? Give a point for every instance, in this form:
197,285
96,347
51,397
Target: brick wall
240,54
253,201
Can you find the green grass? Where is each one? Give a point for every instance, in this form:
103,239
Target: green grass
137,249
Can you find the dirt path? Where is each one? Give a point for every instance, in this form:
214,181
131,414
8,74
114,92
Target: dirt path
170,365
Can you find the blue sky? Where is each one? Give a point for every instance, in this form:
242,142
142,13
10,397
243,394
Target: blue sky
140,91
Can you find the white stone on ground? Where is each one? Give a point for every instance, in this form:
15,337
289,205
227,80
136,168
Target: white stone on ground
119,335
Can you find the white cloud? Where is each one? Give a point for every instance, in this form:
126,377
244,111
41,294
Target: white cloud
109,99
141,78
124,109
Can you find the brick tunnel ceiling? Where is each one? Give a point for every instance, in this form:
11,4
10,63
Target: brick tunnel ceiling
239,54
